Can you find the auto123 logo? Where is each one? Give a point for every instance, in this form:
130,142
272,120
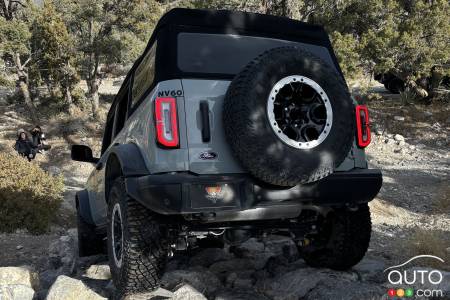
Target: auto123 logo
415,282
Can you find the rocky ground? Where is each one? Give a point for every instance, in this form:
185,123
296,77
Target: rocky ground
411,216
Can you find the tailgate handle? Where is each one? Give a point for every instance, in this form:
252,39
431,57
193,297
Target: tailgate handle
206,130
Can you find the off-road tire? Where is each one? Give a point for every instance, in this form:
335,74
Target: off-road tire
145,248
249,132
342,241
89,242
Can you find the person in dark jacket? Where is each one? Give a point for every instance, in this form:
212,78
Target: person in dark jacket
38,139
24,146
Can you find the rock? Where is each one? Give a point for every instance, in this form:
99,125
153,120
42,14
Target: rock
252,245
331,289
201,279
19,247
55,171
448,250
275,244
238,264
62,253
427,113
240,294
278,265
399,150
370,269
16,292
19,276
187,292
243,283
298,283
399,137
207,257
71,289
230,279
160,293
389,141
399,118
401,143
292,285
101,272
290,252
379,132
47,278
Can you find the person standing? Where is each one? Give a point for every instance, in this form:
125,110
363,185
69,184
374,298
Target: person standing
38,138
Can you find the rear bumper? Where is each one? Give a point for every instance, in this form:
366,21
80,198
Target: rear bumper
186,193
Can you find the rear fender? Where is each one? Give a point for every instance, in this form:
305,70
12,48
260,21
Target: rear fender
83,206
124,160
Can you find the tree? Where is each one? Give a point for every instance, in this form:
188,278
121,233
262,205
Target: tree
15,44
106,32
56,58
413,45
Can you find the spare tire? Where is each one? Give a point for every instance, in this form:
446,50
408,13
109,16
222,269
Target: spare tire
289,117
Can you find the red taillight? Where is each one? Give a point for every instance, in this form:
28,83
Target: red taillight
166,122
362,126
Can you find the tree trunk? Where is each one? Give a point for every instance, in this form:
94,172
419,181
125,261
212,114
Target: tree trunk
24,89
435,82
92,78
93,94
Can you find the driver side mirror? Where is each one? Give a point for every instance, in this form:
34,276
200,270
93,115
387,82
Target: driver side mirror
83,153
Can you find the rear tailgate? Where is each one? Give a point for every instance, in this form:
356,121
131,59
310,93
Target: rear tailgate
213,156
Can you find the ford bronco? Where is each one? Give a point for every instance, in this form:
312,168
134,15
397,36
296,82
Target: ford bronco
230,125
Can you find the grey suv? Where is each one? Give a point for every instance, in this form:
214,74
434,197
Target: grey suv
230,125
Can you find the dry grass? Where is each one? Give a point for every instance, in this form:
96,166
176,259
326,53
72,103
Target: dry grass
431,242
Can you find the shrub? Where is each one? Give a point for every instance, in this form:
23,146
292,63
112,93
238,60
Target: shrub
29,196
431,242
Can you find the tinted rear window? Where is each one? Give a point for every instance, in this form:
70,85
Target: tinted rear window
228,53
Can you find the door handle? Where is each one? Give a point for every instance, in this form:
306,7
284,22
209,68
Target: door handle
206,130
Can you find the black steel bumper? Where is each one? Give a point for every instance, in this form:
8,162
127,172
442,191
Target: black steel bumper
186,193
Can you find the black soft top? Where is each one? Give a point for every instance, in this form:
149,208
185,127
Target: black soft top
235,21
181,20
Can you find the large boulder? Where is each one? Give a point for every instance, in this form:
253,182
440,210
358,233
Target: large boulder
334,288
16,292
298,283
101,272
199,278
18,283
208,256
19,276
187,292
238,264
240,294
371,270
66,288
63,253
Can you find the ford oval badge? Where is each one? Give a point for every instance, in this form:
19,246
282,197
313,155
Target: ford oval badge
208,155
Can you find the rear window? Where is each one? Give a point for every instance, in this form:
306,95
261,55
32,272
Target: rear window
229,53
